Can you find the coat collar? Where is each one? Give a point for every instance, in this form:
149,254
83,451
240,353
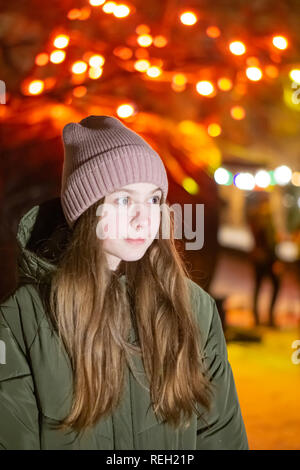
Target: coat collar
40,231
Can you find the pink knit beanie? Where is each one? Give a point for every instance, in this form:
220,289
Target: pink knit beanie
101,155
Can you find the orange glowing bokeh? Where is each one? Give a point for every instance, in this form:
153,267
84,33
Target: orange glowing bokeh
42,59
160,41
85,13
74,14
36,87
271,71
179,79
142,29
225,84
214,129
213,31
79,91
123,52
238,112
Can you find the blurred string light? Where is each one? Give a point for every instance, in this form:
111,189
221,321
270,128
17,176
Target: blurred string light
213,32
79,67
262,179
109,7
143,63
56,57
237,112
35,87
96,3
125,110
145,40
296,178
280,42
188,18
283,175
160,41
271,71
225,84
205,88
254,73
118,10
142,29
95,72
61,41
295,75
244,180
79,91
214,129
223,176
121,11
96,60
237,48
153,72
42,59
190,185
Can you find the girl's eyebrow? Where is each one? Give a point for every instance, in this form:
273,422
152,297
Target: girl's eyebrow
130,191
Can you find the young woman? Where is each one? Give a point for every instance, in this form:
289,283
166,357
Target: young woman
106,342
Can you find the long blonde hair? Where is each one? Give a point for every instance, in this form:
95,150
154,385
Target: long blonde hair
93,314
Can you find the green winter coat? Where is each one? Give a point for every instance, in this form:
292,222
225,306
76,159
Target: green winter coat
36,377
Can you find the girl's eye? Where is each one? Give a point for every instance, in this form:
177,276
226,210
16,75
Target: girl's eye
120,199
157,199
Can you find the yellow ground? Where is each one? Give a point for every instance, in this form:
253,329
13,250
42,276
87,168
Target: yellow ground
268,386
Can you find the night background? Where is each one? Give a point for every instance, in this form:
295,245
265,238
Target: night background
214,87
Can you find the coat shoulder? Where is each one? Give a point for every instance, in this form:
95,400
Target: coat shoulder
203,305
22,311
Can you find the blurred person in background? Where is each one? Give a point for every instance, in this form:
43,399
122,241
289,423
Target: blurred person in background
263,255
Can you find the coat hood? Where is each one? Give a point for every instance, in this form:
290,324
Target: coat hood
41,235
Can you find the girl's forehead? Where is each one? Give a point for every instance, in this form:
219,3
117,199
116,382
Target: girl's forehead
140,188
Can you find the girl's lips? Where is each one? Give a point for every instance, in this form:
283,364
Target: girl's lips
135,241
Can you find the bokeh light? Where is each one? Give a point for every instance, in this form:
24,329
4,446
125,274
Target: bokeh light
61,41
282,175
188,18
204,87
125,110
238,112
237,48
254,73
280,42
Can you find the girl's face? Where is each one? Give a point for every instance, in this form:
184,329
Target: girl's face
129,222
